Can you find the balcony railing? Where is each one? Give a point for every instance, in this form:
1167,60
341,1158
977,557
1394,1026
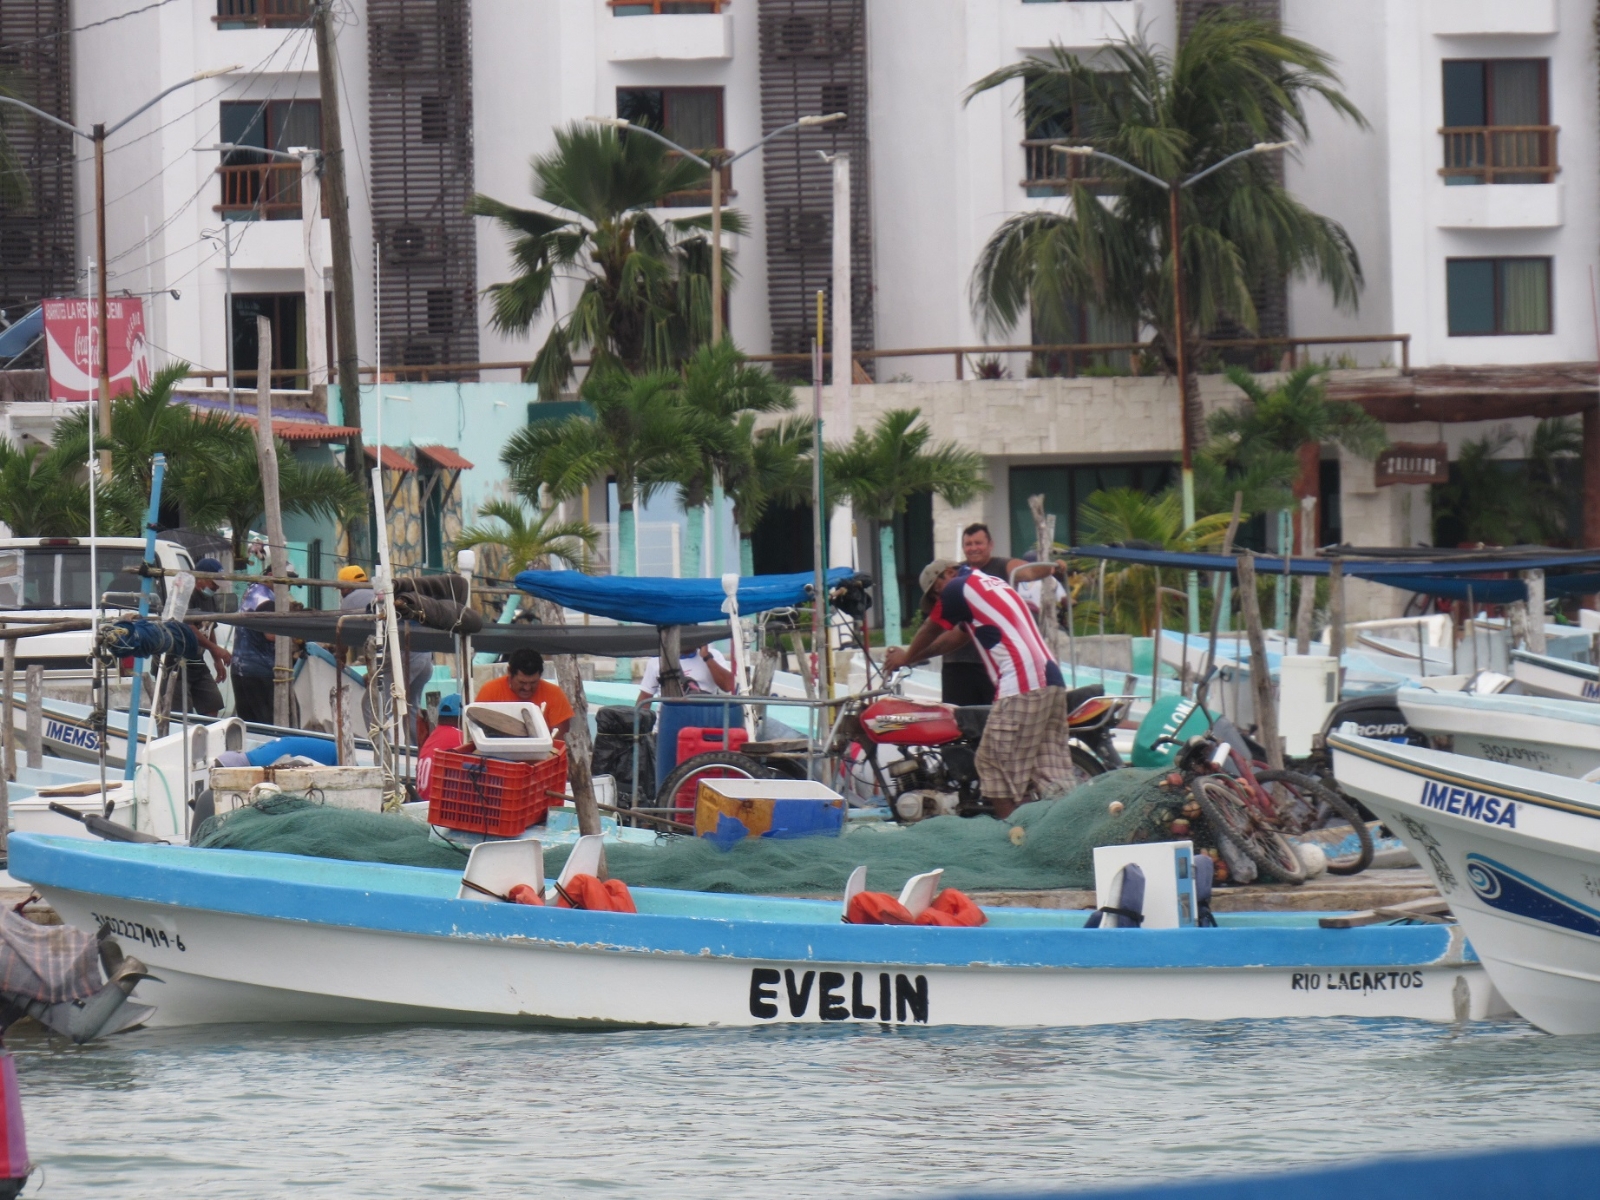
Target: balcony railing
645,8
261,191
262,14
1048,172
1500,153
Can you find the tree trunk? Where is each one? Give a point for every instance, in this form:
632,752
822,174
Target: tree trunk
1308,583
747,555
1308,483
627,545
892,627
1260,672
579,748
693,540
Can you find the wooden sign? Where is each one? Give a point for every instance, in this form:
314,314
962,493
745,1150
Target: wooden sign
1412,462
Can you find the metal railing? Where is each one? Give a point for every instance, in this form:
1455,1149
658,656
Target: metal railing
1046,169
270,191
1294,347
1500,153
644,8
262,14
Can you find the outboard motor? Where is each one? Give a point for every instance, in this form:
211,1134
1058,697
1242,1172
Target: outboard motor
1375,715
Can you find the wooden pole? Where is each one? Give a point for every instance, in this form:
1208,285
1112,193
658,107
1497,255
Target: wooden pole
8,680
580,750
1336,614
1535,581
277,555
33,738
671,672
1155,647
1308,583
1260,672
1044,534
1204,689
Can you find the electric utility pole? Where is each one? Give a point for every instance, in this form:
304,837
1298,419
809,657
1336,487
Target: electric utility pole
344,276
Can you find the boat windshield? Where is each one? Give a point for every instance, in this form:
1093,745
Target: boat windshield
58,576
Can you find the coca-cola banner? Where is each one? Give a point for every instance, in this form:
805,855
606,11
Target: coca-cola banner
71,338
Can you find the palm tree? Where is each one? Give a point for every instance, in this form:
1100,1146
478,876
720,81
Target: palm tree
1233,82
44,492
1289,424
721,384
1125,516
646,296
530,538
879,471
229,492
1502,502
1553,446
640,435
776,471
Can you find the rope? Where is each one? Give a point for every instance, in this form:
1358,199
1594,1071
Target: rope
130,638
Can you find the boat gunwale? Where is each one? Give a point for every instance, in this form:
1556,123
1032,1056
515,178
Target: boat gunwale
87,869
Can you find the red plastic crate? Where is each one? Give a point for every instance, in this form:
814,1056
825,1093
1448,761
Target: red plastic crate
493,795
693,740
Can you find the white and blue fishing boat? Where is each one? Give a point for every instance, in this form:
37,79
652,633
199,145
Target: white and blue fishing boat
245,936
1515,852
1562,678
1561,737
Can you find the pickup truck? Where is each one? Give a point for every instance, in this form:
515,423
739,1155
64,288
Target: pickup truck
49,577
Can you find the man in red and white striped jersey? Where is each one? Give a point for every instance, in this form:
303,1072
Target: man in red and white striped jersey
1024,753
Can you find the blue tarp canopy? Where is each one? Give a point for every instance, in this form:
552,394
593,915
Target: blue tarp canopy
652,601
1449,574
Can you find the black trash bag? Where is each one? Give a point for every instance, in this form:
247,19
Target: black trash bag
438,614
613,751
440,587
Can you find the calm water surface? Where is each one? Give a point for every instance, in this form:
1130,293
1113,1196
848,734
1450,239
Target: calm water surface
268,1111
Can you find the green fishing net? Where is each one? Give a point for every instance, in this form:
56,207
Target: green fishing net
287,824
1048,844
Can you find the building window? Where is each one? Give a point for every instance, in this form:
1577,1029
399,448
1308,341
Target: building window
1067,488
262,14
434,118
1497,121
286,311
1050,119
644,8
255,186
691,117
1491,296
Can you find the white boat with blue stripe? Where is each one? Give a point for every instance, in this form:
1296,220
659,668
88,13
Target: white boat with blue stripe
1517,854
244,936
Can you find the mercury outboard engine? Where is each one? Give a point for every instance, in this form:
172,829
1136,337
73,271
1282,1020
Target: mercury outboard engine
1376,715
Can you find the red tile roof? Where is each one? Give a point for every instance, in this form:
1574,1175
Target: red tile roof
445,457
393,460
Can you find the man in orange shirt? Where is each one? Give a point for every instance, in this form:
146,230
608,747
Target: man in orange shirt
524,681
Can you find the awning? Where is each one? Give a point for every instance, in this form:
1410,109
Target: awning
443,456
393,460
352,629
652,601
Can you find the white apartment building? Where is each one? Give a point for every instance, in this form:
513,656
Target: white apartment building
1471,198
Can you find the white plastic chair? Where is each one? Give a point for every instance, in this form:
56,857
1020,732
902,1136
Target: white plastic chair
588,857
919,891
855,884
498,867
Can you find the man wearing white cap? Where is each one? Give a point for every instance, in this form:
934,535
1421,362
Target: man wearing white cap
1024,753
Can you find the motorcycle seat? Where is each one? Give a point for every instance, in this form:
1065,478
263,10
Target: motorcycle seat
971,718
1077,695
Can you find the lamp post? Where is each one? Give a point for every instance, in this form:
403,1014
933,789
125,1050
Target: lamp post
1180,340
718,160
97,134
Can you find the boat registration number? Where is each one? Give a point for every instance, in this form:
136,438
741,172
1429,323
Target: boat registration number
144,932
837,996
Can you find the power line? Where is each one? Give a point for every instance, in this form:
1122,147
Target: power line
50,37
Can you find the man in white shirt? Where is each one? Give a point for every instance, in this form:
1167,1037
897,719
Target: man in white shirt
704,670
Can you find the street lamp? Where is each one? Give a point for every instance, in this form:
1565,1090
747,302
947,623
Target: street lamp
1172,189
722,159
98,134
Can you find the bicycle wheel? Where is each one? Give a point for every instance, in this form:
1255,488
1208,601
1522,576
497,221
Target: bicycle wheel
678,789
1233,817
1315,793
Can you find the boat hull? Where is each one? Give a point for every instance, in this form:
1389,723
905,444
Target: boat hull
1538,733
1559,678
251,937
1516,853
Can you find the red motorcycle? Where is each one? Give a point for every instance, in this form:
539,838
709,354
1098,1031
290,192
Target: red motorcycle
918,756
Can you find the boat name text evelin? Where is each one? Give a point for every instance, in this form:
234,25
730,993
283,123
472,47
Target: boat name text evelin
1459,802
909,1001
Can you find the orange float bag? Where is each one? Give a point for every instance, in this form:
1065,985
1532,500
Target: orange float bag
586,892
621,899
525,893
959,906
932,916
877,908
